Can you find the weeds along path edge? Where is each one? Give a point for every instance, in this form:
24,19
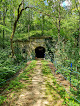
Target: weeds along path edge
53,83
15,84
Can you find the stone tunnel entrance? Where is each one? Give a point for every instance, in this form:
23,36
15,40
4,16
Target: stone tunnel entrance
40,52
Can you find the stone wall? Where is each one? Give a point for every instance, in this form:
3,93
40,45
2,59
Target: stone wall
27,48
30,46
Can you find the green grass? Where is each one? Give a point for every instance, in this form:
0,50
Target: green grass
16,84
55,88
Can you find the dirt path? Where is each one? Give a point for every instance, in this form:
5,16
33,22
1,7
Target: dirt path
35,93
60,79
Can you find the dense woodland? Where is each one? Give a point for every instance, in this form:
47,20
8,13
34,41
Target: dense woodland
20,19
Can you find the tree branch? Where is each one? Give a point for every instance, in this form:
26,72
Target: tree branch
19,7
15,23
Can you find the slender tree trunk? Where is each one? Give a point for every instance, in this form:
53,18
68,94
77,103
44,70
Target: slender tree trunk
23,3
28,29
0,22
59,23
79,32
15,24
58,26
11,14
4,25
0,15
42,25
79,22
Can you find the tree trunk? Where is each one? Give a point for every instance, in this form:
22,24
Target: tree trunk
58,26
79,32
15,24
4,25
28,29
42,25
0,15
59,23
23,3
79,22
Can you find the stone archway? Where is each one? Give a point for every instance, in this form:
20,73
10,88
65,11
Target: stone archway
40,52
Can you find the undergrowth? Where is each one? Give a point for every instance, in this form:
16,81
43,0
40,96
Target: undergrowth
54,89
16,84
9,66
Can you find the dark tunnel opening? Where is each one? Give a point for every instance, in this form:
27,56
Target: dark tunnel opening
40,52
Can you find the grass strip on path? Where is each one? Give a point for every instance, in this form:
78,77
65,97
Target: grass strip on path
16,85
58,95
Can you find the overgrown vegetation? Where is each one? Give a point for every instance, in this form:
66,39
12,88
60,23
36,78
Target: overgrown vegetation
54,89
41,18
17,84
9,66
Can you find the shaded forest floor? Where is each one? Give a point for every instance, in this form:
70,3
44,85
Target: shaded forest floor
37,86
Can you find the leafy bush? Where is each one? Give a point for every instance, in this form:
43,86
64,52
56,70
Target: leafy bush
8,66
